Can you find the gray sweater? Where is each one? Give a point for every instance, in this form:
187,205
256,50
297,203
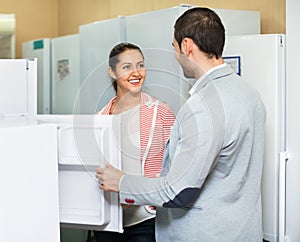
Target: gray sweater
210,188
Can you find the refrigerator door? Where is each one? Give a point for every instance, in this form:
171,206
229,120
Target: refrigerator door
260,58
84,143
28,182
41,49
18,87
95,42
65,73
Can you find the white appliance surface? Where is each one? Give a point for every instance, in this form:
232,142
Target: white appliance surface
164,79
28,183
84,143
95,42
261,59
65,79
54,175
41,49
48,164
292,220
239,22
18,87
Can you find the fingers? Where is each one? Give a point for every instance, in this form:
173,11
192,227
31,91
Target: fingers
109,178
101,180
104,188
99,173
98,169
108,165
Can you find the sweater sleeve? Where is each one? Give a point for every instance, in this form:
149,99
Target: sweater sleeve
195,143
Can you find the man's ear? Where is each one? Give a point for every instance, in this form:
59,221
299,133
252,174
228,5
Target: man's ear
111,73
187,46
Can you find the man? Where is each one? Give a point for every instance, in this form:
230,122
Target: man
210,184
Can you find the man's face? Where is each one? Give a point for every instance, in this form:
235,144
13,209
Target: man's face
183,60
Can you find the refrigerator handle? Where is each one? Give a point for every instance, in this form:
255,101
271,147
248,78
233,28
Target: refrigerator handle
283,157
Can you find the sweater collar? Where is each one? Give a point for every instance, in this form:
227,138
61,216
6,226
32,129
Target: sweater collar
214,73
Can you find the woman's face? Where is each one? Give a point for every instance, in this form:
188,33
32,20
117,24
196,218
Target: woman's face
130,72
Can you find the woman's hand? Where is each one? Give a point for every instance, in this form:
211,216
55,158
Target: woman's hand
109,178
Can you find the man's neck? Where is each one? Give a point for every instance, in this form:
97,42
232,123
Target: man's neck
206,64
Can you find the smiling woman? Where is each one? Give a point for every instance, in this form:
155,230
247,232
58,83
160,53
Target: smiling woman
146,124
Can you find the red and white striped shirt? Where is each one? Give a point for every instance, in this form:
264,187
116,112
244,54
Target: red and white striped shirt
164,120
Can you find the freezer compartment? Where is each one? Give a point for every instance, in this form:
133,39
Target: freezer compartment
84,143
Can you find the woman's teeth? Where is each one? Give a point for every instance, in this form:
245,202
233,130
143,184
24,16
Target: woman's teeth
134,81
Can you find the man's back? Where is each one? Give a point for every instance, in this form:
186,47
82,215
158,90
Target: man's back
228,118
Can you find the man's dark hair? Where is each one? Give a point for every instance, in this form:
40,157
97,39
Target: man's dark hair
204,27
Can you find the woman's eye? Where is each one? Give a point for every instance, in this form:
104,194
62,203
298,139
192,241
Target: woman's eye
127,67
140,66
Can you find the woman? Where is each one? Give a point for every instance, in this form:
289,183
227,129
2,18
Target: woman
146,124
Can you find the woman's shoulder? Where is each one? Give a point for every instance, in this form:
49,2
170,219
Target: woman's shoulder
150,100
165,107
106,108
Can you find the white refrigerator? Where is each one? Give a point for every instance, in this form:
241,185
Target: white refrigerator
292,232
47,175
261,59
85,142
41,50
28,175
65,71
95,41
18,87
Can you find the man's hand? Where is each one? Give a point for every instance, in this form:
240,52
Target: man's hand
109,178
